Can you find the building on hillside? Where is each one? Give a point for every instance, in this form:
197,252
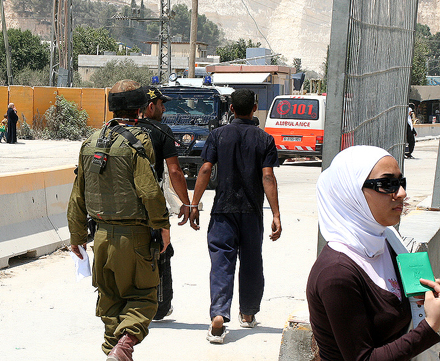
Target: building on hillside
267,81
181,49
259,56
88,64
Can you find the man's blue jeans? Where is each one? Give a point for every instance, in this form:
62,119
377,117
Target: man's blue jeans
229,235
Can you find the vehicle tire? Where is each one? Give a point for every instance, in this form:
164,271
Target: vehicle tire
213,180
281,160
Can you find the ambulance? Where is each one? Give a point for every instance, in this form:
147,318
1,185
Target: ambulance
297,124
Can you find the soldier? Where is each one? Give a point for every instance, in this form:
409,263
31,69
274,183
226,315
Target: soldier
117,187
164,149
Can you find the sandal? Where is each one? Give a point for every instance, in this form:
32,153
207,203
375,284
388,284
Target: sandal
216,339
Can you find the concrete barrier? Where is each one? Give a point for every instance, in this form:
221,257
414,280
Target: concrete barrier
425,130
421,231
34,204
297,341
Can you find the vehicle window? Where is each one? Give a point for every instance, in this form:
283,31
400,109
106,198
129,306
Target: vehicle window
292,108
189,106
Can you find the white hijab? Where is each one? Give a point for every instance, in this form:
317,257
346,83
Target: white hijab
344,214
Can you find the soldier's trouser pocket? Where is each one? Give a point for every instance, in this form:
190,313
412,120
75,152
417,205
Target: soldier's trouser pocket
147,271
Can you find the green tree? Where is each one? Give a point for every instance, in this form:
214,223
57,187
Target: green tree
88,40
236,50
325,68
32,77
114,71
181,23
423,30
207,31
27,51
418,71
422,52
297,64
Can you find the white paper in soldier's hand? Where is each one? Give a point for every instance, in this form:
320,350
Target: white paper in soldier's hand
82,266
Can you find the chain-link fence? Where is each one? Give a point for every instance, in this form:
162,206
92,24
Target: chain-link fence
370,60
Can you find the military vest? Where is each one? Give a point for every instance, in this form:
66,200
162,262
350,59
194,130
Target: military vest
112,194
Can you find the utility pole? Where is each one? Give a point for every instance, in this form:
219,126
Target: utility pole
164,53
8,51
164,56
193,39
61,43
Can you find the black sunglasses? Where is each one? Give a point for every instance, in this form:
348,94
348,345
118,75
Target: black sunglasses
386,185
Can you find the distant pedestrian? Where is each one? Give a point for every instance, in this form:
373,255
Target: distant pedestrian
3,128
12,124
245,156
410,135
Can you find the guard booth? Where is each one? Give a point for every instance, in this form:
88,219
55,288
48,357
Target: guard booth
267,81
425,100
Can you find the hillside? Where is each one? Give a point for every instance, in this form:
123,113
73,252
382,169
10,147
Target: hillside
294,28
429,14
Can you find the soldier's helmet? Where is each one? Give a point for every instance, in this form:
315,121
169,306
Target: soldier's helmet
126,95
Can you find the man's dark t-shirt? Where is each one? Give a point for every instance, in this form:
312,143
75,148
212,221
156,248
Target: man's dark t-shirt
241,151
164,146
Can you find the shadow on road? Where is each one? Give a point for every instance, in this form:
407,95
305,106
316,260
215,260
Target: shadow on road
233,334
303,163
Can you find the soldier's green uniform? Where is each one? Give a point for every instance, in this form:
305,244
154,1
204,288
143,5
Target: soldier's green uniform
126,201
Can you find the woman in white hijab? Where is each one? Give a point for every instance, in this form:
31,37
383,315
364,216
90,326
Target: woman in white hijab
357,307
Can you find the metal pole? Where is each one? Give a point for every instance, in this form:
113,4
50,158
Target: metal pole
337,66
8,51
52,46
337,63
168,38
69,40
193,39
435,203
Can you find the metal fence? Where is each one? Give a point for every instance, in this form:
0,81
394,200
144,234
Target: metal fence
369,71
370,59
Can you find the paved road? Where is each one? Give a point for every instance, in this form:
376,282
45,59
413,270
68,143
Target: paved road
46,315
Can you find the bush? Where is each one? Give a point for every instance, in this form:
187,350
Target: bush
65,121
25,131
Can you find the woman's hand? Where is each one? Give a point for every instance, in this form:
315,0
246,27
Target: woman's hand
432,303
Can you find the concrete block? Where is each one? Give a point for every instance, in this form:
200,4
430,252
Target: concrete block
297,341
34,220
422,228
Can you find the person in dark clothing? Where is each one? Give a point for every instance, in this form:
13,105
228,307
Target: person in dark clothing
11,136
164,149
410,135
358,310
245,156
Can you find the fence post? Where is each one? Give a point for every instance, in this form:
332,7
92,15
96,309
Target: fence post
336,75
435,203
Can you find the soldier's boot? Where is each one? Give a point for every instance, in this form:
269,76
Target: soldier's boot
124,349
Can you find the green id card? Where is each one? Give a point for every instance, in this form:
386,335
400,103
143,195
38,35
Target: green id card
412,267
